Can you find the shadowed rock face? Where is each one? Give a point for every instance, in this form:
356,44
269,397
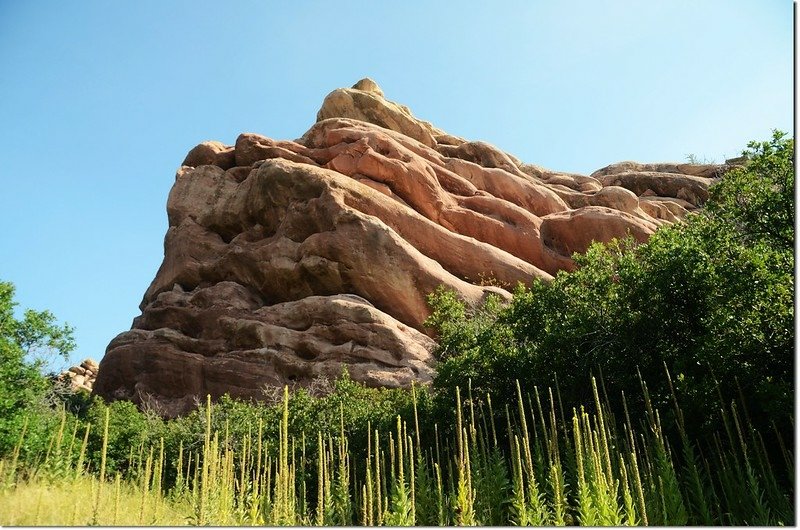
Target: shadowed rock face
286,261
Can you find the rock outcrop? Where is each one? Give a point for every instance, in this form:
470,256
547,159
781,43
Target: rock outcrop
290,260
80,377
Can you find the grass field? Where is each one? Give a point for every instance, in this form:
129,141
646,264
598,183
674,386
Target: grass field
526,465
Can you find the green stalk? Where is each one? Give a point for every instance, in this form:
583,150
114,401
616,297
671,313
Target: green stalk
72,442
364,509
416,416
18,448
602,428
303,499
116,499
787,456
458,426
368,487
559,494
103,453
637,481
145,486
586,511
157,479
541,417
411,481
320,480
378,481
439,494
491,419
630,512
519,506
204,477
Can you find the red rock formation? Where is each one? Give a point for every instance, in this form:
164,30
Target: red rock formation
290,260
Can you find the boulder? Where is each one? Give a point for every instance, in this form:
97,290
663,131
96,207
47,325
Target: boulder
691,189
365,102
574,230
80,377
210,153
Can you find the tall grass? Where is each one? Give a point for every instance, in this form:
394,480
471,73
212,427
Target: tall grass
543,469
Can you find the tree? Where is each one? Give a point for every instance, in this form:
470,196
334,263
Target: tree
23,346
758,199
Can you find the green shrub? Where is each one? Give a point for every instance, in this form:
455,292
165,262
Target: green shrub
129,429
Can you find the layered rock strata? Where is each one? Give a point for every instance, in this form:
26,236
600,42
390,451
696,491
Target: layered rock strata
285,261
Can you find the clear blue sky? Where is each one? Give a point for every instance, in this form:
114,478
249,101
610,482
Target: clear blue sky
101,100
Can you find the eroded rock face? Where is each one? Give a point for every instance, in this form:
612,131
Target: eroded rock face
285,261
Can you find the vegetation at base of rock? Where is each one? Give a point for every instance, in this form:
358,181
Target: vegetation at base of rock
525,464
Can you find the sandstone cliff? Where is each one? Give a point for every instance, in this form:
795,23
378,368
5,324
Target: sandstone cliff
289,260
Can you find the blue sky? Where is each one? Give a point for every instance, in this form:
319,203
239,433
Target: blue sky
101,100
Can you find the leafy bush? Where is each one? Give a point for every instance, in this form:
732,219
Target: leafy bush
129,429
758,199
